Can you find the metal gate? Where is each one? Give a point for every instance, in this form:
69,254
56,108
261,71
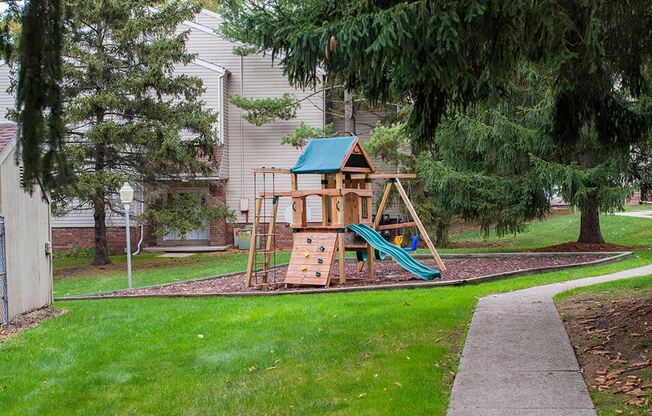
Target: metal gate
3,273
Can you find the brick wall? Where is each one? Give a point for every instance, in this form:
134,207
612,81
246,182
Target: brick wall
636,198
218,233
79,238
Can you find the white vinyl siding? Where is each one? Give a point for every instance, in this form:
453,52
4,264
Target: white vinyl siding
211,96
211,78
261,145
7,101
208,18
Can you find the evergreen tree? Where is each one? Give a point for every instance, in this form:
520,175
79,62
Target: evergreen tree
446,56
9,19
389,142
439,55
600,51
499,165
39,90
127,113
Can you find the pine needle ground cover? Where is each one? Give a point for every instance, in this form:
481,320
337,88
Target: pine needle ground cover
373,353
610,326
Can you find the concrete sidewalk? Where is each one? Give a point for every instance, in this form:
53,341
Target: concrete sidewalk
517,359
636,214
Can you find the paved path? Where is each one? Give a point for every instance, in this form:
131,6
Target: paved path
637,214
517,359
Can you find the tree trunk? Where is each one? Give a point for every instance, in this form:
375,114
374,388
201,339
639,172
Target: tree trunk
99,205
349,116
590,232
101,244
590,223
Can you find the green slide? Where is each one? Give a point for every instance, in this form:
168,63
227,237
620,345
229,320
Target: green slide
402,258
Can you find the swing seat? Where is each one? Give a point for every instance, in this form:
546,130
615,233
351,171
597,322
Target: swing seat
414,245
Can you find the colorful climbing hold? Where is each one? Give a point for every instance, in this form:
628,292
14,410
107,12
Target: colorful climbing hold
309,240
318,274
306,254
304,267
322,248
320,260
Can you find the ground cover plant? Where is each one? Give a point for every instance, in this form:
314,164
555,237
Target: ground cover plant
372,353
610,326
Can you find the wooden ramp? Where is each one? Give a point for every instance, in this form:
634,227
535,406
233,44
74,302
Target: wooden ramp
313,254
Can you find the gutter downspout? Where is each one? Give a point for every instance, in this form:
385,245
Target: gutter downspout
140,242
221,107
324,119
242,144
49,247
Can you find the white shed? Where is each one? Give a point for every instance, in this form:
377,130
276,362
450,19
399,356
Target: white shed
27,240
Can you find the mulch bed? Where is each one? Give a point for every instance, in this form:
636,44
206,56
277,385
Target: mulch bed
612,336
28,320
584,247
386,273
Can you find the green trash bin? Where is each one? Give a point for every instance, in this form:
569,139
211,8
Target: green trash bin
244,238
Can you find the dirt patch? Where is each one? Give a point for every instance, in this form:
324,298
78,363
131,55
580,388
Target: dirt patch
28,320
386,273
584,247
612,337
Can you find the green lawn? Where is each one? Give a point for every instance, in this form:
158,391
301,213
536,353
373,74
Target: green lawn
371,353
559,229
74,277
615,287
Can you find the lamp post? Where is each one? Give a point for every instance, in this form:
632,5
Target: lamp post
127,197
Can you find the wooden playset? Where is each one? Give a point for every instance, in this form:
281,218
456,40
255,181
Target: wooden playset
347,224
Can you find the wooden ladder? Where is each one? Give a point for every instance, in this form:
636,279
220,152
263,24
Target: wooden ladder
256,232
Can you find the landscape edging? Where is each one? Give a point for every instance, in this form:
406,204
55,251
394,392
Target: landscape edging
474,280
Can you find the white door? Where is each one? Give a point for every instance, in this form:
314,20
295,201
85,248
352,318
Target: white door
200,234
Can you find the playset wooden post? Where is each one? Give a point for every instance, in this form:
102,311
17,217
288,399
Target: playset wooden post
346,193
368,185
420,227
271,233
252,243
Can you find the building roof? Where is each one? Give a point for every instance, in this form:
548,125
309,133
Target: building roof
7,132
330,155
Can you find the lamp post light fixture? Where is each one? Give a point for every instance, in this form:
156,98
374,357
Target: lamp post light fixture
127,197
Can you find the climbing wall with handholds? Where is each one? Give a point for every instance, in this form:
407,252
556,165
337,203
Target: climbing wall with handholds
312,258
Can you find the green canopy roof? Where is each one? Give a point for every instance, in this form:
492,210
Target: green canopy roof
324,155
